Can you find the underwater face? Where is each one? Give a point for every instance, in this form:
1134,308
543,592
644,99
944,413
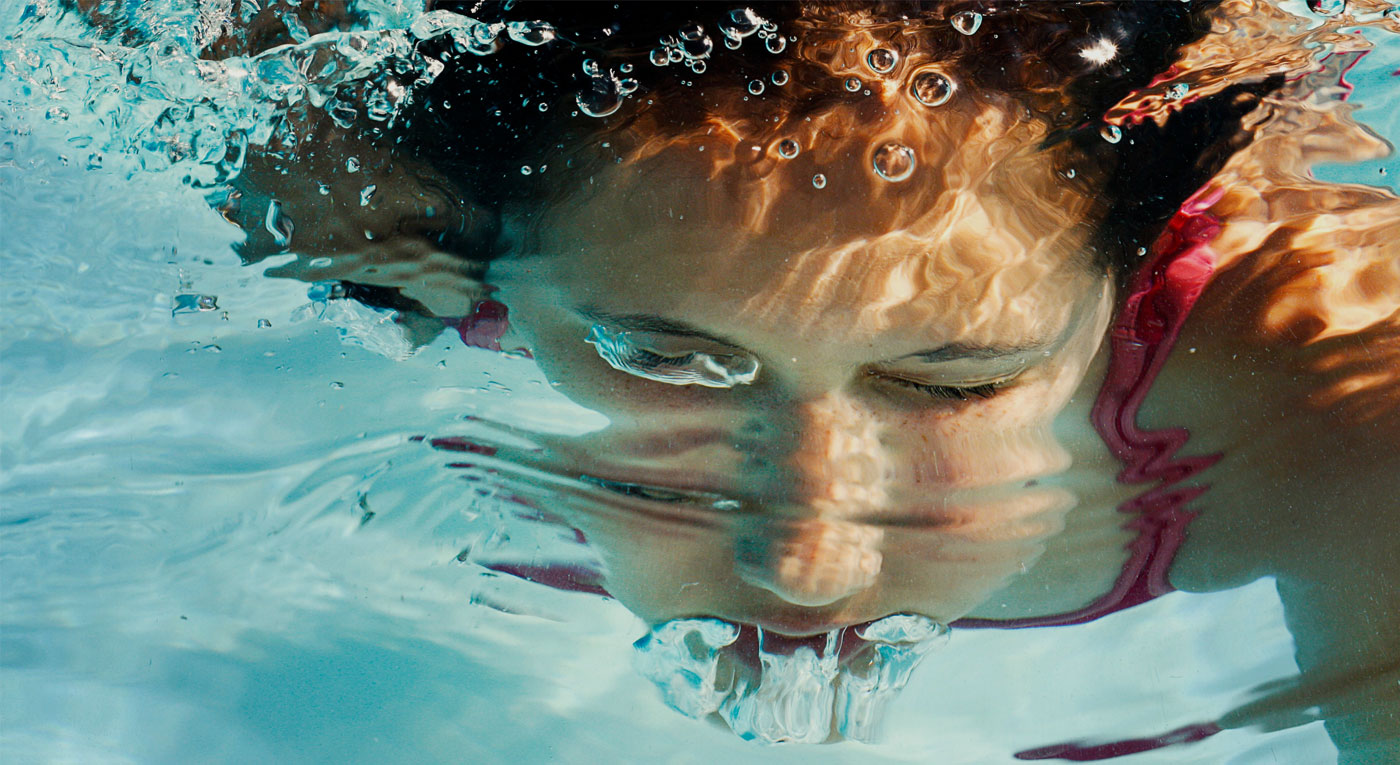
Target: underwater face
810,369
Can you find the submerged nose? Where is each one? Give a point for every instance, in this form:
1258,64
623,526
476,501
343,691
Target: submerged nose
813,562
835,471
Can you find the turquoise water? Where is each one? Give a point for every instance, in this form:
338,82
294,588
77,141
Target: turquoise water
223,542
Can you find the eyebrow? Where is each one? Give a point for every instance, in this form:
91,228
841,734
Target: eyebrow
964,351
646,322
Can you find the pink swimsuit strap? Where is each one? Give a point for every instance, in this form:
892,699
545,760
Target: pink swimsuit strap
1159,300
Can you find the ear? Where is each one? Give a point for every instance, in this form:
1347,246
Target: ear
349,209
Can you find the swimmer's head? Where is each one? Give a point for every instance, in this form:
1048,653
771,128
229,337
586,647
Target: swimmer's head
828,307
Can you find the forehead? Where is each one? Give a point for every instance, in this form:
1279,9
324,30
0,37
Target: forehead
983,234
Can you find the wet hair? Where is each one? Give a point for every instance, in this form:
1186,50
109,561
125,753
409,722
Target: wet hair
487,116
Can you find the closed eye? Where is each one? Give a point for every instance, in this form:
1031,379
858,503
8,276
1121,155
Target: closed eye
952,392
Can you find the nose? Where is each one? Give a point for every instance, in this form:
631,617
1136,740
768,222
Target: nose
835,472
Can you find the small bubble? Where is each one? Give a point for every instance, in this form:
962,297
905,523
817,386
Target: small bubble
628,85
323,189
591,68
1111,133
337,385
1177,91
1141,251
525,170
264,324
625,68
881,60
367,193
674,55
819,181
352,164
852,84
967,22
756,87
544,107
893,161
1070,173
732,43
692,32
775,44
659,57
931,88
788,148
697,66
779,78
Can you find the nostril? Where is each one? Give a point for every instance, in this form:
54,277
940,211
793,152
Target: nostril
811,563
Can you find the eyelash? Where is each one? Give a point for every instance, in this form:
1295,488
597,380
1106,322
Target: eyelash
647,358
985,390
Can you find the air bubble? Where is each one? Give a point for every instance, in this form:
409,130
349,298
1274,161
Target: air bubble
932,88
629,86
893,161
544,107
967,22
591,68
741,23
530,33
352,164
659,57
692,32
367,193
264,324
775,44
697,67
525,170
625,68
819,181
1178,91
852,84
881,60
1111,133
600,98
756,87
779,78
279,224
788,148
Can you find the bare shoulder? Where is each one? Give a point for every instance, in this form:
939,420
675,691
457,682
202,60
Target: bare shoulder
1289,370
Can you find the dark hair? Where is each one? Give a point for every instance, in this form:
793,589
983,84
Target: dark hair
486,116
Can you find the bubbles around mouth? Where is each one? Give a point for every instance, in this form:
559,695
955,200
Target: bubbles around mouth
772,689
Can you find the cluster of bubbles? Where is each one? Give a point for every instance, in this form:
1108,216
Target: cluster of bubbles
161,105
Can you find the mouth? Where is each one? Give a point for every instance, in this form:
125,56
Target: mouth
775,688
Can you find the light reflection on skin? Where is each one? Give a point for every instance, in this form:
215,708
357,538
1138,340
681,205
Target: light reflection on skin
845,318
